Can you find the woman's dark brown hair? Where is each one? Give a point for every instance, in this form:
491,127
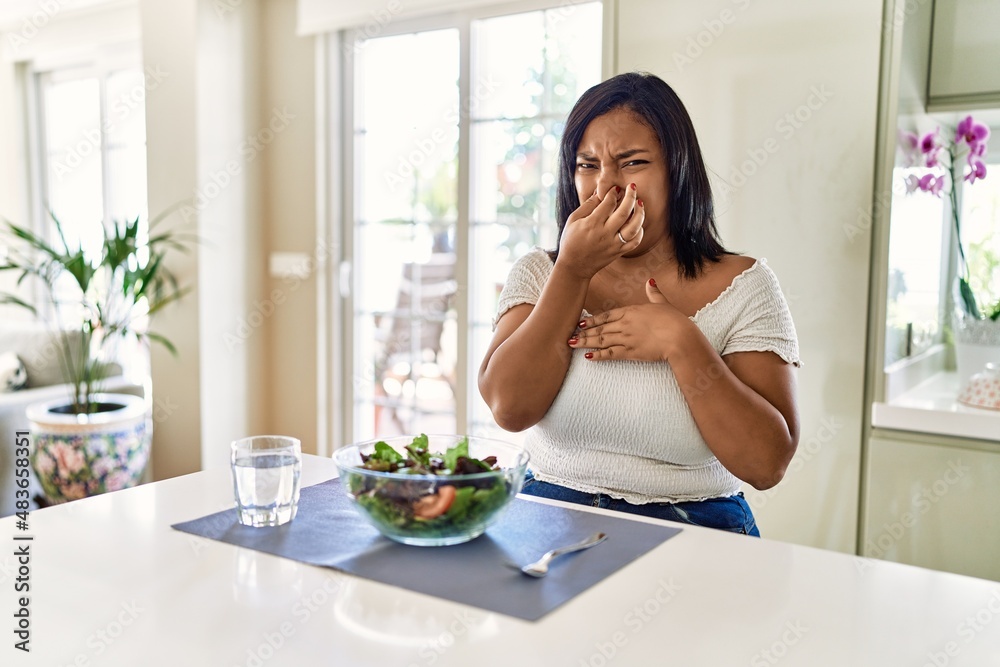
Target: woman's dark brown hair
691,213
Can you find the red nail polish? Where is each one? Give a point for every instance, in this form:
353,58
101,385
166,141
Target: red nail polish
652,283
618,190
632,186
574,340
583,324
589,355
640,202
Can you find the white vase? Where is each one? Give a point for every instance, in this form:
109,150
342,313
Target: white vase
977,343
84,455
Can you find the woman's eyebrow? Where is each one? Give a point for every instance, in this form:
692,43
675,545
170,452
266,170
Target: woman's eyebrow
619,156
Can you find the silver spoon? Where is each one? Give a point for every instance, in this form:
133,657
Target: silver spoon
541,567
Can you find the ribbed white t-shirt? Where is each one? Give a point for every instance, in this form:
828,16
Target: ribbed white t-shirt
623,428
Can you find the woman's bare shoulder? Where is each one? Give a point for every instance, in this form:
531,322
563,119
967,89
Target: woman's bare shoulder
737,264
727,269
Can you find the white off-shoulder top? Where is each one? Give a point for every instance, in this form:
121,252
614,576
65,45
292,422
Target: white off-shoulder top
623,428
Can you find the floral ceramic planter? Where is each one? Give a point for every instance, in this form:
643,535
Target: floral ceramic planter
75,456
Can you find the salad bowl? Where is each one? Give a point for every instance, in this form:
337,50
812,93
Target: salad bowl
431,490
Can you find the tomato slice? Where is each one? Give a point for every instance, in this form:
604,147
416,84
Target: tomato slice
435,504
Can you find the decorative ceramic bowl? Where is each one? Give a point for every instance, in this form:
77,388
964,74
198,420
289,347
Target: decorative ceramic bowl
983,390
432,509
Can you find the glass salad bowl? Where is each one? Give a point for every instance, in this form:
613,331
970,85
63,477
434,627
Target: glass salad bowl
431,490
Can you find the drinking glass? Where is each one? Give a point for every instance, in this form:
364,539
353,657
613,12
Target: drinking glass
266,472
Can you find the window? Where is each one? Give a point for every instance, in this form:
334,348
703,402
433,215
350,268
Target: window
981,236
918,240
457,181
93,142
92,163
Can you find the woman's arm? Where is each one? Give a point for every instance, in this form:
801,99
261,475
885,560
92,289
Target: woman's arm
744,405
528,357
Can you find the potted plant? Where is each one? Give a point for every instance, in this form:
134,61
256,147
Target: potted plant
953,158
91,442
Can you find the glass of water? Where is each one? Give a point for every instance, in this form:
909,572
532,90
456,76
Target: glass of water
266,472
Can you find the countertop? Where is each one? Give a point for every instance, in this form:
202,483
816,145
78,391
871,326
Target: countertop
930,407
112,584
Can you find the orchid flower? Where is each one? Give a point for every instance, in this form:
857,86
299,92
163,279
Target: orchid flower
931,183
978,171
971,133
930,146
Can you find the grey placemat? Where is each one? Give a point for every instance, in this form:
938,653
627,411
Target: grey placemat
327,531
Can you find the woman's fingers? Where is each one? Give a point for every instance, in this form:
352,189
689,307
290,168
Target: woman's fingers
586,208
632,230
624,210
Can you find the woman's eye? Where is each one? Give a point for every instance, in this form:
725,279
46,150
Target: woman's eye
583,166
635,163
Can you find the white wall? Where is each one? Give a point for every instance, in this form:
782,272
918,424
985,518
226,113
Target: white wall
169,31
233,136
741,68
289,210
228,208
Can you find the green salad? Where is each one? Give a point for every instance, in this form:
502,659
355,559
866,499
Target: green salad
423,508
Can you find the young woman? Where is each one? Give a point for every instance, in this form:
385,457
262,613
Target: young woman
653,367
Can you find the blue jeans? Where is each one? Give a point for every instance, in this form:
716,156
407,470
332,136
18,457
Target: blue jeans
732,513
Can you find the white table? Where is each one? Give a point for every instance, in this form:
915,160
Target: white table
113,584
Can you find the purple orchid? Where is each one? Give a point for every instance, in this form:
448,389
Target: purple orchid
931,183
971,133
978,171
930,146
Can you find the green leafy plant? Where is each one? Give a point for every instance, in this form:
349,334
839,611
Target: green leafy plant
113,294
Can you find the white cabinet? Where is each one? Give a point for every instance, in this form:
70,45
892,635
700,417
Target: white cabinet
965,50
933,503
